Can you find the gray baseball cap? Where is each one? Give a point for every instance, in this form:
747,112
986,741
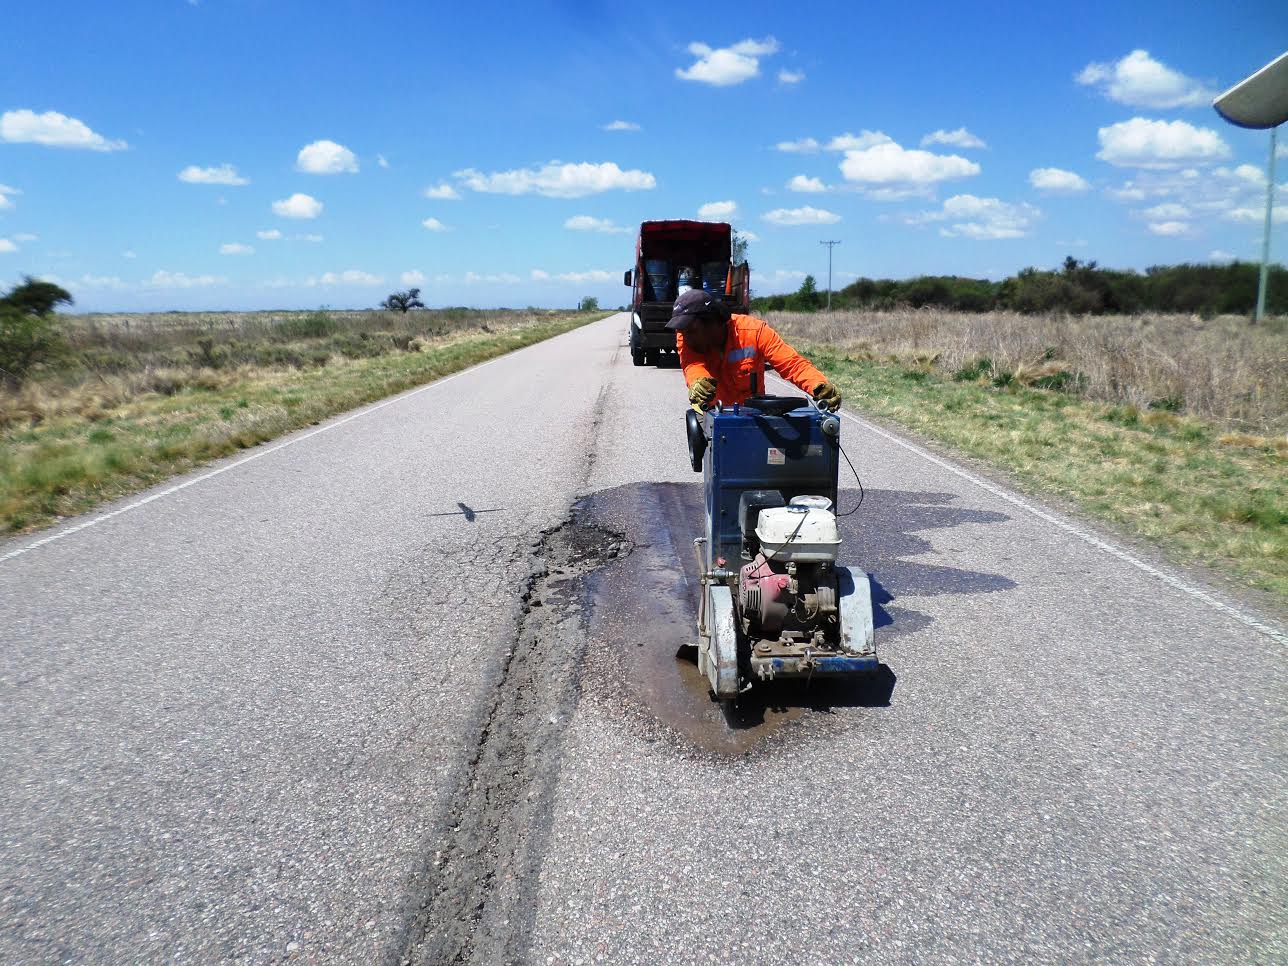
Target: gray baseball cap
693,305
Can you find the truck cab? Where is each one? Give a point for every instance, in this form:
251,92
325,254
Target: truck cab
661,250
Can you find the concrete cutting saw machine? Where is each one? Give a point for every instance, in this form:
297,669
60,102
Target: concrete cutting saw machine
775,603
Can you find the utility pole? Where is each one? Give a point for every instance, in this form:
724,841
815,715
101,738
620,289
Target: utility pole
830,245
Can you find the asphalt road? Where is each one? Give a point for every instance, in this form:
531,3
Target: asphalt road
404,687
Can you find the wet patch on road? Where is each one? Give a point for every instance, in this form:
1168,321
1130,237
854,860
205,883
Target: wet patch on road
641,610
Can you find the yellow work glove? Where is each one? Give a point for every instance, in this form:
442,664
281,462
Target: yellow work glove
828,395
702,392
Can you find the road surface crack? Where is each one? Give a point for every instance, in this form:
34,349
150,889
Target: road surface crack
481,883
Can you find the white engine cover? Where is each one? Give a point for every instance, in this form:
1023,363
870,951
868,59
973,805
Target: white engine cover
798,534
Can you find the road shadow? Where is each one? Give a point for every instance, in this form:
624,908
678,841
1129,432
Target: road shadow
642,607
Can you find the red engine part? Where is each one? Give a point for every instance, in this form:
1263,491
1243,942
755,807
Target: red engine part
763,595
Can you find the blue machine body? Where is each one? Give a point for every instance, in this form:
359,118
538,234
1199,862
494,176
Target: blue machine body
750,450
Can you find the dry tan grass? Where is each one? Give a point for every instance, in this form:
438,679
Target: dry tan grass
113,359
1221,369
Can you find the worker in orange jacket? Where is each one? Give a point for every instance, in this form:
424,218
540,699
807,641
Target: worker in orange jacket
720,352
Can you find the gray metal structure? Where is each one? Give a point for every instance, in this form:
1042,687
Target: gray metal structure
830,245
1260,101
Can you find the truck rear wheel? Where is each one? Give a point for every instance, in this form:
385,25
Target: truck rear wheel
639,356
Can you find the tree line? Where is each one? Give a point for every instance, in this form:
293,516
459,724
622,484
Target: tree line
1076,287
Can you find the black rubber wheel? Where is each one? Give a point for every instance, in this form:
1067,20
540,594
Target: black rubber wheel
639,356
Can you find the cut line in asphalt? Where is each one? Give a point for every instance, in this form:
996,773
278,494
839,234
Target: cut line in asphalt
1089,538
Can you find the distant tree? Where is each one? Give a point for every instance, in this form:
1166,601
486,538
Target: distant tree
588,304
402,301
738,249
35,297
805,298
29,330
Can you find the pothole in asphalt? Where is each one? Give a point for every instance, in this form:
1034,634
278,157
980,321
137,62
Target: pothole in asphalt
642,621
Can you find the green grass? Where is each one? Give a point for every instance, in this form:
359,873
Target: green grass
1204,495
70,461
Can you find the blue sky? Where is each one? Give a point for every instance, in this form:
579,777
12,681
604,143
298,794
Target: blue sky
247,154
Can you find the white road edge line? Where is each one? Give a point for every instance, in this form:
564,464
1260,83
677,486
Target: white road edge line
1174,582
169,491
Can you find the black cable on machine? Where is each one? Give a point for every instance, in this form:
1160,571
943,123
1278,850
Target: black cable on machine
862,492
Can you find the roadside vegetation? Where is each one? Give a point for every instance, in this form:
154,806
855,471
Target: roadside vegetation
1079,287
113,403
1171,427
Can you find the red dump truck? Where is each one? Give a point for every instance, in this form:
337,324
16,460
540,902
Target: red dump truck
661,251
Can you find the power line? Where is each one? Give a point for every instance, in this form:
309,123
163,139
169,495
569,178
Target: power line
830,245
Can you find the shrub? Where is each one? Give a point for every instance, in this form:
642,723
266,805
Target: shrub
26,340
315,325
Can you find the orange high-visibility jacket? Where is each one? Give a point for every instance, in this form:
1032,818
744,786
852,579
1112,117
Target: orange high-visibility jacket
749,343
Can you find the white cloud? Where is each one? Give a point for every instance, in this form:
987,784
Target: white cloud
718,210
128,254
1257,215
780,275
960,138
1141,143
807,185
236,248
589,223
859,142
412,278
269,234
101,281
621,126
298,206
1169,229
53,130
1219,256
1169,210
1057,181
982,219
221,174
380,160
557,180
25,237
750,236
1129,192
890,164
7,246
442,192
801,146
537,275
1245,172
326,157
786,76
350,277
596,275
433,224
801,216
164,279
1234,194
725,66
5,191
1140,81
309,238
501,278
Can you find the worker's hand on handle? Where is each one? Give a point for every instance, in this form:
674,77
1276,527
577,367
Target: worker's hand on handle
701,393
828,396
